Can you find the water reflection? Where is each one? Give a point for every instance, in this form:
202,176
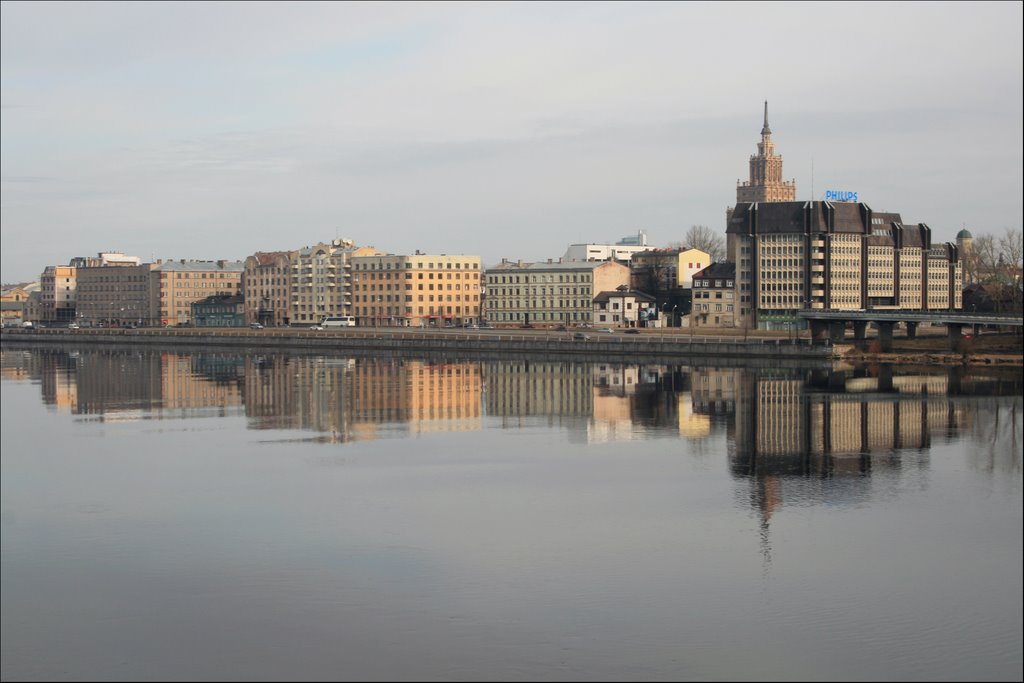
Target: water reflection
808,422
635,508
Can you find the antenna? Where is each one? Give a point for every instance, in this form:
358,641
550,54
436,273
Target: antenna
812,179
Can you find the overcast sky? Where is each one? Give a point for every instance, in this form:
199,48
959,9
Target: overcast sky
207,131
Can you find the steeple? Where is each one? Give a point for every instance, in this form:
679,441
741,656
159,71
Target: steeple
766,183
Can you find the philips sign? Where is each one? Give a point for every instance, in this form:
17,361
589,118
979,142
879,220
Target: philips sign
840,196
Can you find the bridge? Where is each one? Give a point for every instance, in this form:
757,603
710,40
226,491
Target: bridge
832,323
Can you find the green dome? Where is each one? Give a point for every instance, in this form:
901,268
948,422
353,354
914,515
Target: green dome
964,235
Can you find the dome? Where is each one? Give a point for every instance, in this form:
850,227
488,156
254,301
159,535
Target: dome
964,235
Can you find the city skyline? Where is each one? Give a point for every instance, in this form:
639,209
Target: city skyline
213,130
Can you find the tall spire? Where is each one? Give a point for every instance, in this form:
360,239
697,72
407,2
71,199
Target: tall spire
766,130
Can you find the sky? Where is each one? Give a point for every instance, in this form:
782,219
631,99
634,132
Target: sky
205,130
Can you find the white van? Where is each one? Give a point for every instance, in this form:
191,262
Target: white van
338,321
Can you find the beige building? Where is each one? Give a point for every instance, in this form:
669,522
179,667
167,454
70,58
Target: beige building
266,288
551,293
12,305
58,285
323,282
714,297
765,183
835,256
175,285
419,290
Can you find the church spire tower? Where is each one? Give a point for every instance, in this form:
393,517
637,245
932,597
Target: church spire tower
766,183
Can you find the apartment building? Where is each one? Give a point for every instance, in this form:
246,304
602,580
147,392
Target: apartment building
835,256
550,293
266,287
175,285
113,293
714,296
58,285
322,282
419,290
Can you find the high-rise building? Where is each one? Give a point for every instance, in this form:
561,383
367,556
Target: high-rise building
835,256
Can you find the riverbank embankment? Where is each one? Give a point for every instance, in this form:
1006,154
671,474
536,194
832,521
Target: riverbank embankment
548,344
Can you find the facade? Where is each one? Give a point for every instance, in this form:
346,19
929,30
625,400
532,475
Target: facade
219,311
622,250
624,308
112,289
115,294
835,256
266,288
418,290
765,183
58,285
714,296
322,281
12,305
175,285
661,270
551,293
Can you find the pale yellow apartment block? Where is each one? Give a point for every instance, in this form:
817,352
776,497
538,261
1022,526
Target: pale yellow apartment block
418,290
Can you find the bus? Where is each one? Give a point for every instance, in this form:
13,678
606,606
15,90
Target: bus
338,321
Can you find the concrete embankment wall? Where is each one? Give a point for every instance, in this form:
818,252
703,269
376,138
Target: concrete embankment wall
487,343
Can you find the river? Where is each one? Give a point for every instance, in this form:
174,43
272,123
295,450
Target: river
265,516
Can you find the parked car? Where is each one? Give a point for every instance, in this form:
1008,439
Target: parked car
73,326
316,327
27,324
632,330
584,326
607,330
255,326
581,336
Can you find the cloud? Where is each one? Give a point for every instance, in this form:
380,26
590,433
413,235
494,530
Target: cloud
213,130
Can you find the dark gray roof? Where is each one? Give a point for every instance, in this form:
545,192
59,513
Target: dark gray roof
724,270
636,294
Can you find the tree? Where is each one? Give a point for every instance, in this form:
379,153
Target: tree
704,238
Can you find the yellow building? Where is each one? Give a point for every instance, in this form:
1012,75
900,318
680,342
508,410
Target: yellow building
417,290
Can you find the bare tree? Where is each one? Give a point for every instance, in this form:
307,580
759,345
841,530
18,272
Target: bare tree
1011,262
704,238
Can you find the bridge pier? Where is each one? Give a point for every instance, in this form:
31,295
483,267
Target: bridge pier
885,336
819,329
885,378
859,328
954,335
837,331
912,330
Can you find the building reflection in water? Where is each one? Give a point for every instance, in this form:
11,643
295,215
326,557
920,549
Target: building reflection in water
777,422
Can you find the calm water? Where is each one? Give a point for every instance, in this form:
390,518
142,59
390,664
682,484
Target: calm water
215,516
